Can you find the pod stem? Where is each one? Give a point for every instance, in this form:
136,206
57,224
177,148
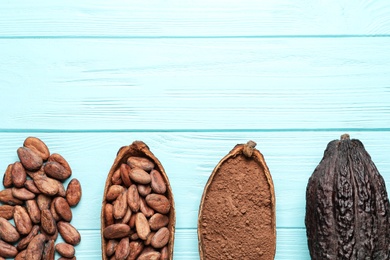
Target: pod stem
248,148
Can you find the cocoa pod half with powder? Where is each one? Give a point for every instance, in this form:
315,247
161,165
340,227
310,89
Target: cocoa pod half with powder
237,209
136,189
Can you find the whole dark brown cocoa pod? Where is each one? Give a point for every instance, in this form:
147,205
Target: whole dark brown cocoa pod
347,208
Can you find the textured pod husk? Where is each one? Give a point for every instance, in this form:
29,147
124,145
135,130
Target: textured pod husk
255,208
139,149
347,207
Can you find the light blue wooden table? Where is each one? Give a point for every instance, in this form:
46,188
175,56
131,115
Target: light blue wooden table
192,80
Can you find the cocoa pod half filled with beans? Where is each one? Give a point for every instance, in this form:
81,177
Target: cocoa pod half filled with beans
347,207
138,214
237,209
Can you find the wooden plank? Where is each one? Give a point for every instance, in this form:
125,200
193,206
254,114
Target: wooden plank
99,18
189,158
291,244
195,84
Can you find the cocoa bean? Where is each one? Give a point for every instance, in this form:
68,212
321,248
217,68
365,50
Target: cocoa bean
48,251
116,231
116,178
55,157
7,198
68,233
145,209
136,248
134,236
53,210
133,199
140,162
38,146
111,247
124,170
43,201
62,208
158,202
7,250
45,184
22,193
65,250
23,243
161,238
158,221
149,238
123,249
7,211
30,185
18,175
33,211
49,237
56,171
35,247
157,182
114,191
127,216
139,176
164,253
144,190
120,205
8,232
152,255
21,255
30,160
48,223
132,221
73,192
22,220
142,226
61,189
108,214
7,178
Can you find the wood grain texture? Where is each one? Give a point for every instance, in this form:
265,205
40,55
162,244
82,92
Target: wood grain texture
204,18
190,157
143,84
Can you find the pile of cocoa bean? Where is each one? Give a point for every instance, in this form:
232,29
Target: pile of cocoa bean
40,206
136,213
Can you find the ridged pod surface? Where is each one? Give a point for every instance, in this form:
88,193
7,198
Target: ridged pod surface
133,249
347,208
237,210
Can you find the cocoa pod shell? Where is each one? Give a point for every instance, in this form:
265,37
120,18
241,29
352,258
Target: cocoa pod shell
243,168
137,149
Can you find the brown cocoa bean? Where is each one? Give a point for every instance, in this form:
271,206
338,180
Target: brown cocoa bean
116,178
21,255
7,177
33,211
18,175
132,221
136,248
48,251
158,221
8,232
114,191
66,258
7,250
124,170
38,146
56,171
30,185
149,239
126,217
53,210
73,192
61,189
123,249
140,162
164,253
55,157
22,220
49,237
145,209
142,226
30,160
161,238
139,176
35,247
68,233
65,250
152,255
120,206
134,236
109,214
22,194
157,182
144,190
43,201
7,211
116,231
158,202
62,208
48,223
45,184
133,199
23,243
111,247
7,197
